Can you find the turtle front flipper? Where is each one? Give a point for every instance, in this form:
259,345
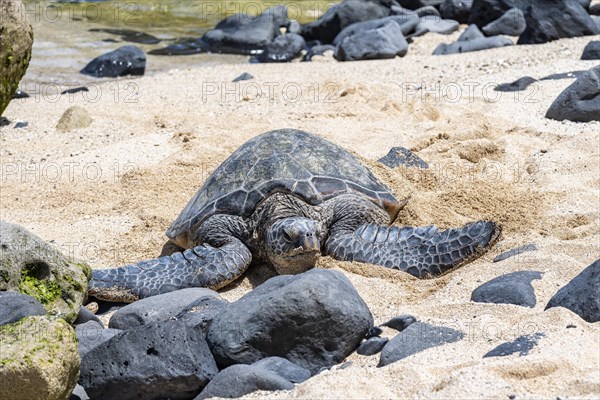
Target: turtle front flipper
424,252
202,266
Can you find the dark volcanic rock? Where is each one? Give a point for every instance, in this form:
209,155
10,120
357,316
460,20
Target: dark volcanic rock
201,312
156,361
457,10
511,23
157,308
406,25
401,322
514,288
374,331
20,94
436,25
380,43
75,90
283,49
284,368
416,338
243,77
239,380
318,50
339,16
521,345
471,33
472,45
591,51
580,101
549,20
563,75
126,60
314,319
86,315
91,334
581,295
595,9
184,47
246,34
372,346
516,86
402,156
16,306
485,11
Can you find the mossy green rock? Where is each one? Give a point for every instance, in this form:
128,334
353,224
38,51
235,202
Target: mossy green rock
16,40
33,267
38,359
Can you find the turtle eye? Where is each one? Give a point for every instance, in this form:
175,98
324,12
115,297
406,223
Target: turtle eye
286,235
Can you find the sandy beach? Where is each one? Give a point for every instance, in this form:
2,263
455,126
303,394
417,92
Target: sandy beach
107,193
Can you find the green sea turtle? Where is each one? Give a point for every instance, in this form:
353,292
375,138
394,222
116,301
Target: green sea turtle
286,197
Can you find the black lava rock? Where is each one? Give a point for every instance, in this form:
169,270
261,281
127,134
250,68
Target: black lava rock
184,47
516,86
401,322
416,338
284,368
243,77
374,331
549,20
514,288
472,45
406,25
457,10
157,308
436,25
520,84
86,315
511,23
126,60
580,101
372,346
283,49
239,380
91,334
75,90
521,345
483,12
201,312
339,16
314,319
21,124
318,50
246,34
156,361
595,9
20,94
563,75
402,156
581,295
471,33
380,43
15,306
591,51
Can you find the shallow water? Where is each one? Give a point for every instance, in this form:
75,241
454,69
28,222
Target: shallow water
64,44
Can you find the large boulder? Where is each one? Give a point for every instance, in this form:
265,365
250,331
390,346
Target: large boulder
581,295
314,319
384,42
549,20
157,308
16,40
283,49
458,10
407,25
33,267
239,380
155,361
339,16
246,34
38,359
580,101
511,23
91,335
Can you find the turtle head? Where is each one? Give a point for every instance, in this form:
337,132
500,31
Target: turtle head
293,244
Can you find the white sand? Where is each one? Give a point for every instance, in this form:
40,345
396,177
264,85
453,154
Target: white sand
490,158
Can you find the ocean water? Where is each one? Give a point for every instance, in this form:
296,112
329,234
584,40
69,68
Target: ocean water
66,36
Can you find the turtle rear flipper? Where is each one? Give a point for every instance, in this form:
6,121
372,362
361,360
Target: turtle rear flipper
424,252
202,266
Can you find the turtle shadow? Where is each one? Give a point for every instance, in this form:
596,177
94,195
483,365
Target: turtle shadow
256,275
